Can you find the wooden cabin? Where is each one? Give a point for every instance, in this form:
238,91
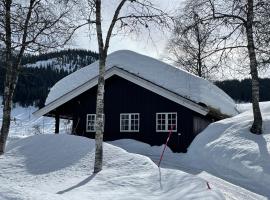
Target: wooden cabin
137,105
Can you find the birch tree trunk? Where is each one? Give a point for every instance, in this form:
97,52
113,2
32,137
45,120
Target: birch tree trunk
257,123
12,69
100,93
7,98
100,118
147,14
28,25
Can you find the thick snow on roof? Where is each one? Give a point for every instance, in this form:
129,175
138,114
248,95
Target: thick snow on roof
174,79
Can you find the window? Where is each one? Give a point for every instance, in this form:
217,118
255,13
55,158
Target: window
166,122
90,122
129,122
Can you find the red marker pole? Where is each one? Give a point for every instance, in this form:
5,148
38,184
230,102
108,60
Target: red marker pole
161,156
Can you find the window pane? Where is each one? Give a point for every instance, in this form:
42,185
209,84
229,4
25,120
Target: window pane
129,122
166,121
90,122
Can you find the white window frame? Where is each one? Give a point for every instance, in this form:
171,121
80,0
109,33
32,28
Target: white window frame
95,117
129,122
166,121
95,122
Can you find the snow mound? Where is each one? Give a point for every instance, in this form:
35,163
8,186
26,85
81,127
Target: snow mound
160,73
184,163
234,153
60,167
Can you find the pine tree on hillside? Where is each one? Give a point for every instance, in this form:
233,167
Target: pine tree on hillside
34,82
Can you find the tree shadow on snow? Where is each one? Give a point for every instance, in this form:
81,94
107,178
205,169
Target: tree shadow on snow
80,184
263,159
264,155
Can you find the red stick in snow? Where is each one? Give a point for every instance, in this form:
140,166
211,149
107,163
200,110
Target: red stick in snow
161,156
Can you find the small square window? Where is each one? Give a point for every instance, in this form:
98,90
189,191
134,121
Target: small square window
166,122
129,122
90,122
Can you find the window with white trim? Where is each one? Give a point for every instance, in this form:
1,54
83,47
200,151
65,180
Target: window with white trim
90,122
129,122
166,122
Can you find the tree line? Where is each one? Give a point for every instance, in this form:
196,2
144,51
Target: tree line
34,82
240,90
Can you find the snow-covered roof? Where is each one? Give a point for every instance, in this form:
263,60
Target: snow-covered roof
164,75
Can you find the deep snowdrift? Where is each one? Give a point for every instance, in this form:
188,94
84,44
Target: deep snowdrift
229,150
60,167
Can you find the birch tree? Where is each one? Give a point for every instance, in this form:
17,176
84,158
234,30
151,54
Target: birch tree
28,26
128,16
192,43
244,26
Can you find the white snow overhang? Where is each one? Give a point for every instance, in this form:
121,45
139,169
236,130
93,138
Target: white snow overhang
130,77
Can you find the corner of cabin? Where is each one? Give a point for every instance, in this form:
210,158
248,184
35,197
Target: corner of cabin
217,114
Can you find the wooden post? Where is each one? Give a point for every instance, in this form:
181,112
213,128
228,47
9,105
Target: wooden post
57,122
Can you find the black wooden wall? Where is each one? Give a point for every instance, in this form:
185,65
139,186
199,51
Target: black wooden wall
122,96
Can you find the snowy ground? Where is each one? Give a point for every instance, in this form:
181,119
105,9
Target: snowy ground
184,163
53,167
236,154
24,124
225,150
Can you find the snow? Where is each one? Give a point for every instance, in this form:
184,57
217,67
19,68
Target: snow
234,153
162,74
56,64
24,124
184,162
60,167
226,149
226,155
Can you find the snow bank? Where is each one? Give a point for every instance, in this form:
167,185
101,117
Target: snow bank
184,163
228,149
162,74
60,167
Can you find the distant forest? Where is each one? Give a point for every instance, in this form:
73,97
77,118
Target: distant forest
240,90
34,82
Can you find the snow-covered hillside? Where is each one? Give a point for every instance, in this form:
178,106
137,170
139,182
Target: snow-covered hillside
55,64
67,60
50,167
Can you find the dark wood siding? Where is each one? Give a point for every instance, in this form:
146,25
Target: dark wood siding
122,96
